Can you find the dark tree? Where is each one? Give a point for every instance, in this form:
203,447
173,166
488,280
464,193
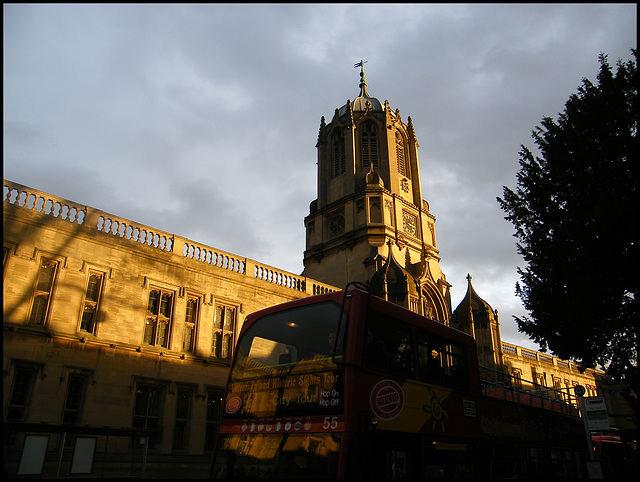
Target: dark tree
576,219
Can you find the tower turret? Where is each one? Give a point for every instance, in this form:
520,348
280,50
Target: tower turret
370,196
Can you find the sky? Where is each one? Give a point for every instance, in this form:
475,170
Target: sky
201,120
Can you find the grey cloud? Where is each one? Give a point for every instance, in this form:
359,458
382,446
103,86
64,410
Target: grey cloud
202,120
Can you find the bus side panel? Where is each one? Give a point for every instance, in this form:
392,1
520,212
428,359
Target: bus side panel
408,406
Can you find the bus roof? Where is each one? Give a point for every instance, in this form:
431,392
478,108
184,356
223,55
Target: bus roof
378,304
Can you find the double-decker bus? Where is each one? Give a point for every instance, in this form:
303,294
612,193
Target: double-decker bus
347,384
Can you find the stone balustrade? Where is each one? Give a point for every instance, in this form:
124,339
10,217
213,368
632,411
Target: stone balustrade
22,196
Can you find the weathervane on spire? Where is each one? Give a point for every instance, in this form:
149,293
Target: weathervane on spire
363,83
360,64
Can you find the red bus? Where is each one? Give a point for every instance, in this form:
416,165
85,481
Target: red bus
348,385
618,459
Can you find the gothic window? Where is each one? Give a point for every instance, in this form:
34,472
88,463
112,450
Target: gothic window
44,288
159,315
339,153
403,168
369,145
191,324
91,300
224,321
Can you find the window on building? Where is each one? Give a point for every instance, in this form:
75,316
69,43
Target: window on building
147,411
91,301
214,412
369,145
20,394
191,324
159,315
539,379
76,388
403,168
183,411
224,322
517,377
44,287
339,153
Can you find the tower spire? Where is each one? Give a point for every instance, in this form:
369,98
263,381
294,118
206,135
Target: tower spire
363,82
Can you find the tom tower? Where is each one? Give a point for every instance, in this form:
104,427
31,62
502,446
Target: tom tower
369,222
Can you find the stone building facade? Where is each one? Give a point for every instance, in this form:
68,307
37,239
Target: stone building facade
110,323
120,336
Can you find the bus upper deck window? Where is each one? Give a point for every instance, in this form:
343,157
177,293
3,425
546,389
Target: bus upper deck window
441,362
389,346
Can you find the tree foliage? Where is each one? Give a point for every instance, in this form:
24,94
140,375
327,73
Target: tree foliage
575,216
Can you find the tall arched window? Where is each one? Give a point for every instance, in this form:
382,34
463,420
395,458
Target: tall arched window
339,155
403,168
369,143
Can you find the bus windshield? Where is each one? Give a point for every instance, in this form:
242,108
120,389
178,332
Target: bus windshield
284,408
298,340
287,364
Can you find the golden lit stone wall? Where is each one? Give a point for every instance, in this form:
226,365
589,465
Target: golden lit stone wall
131,260
548,371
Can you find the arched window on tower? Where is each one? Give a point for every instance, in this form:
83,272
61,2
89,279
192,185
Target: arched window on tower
403,167
369,144
339,154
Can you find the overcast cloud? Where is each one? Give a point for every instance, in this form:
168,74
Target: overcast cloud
201,120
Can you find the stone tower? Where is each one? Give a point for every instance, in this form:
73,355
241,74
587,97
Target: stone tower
369,222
